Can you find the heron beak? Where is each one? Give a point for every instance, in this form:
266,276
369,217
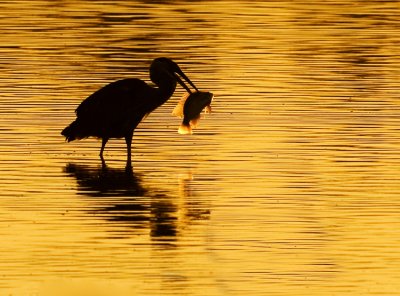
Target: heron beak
180,81
178,74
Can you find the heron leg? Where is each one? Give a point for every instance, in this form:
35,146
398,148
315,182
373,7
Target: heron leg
128,140
103,145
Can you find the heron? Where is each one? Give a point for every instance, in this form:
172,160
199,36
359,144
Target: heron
115,110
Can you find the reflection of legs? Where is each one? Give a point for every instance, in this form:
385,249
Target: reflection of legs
128,140
103,145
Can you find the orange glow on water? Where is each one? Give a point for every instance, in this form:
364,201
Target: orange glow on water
290,186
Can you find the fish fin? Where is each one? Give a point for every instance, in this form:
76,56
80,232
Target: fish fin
208,109
195,121
185,129
178,110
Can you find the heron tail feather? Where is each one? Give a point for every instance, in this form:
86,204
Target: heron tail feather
70,132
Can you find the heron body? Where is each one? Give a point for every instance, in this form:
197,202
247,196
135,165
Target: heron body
115,110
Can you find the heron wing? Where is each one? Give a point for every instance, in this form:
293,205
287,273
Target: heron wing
118,100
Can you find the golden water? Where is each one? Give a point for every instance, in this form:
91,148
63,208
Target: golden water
291,186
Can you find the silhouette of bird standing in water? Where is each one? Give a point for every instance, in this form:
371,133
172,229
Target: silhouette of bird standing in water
115,110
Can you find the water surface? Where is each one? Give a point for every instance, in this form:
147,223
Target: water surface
290,187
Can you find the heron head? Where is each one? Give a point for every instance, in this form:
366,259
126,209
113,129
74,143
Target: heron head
165,66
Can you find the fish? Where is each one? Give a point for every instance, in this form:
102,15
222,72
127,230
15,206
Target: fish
190,108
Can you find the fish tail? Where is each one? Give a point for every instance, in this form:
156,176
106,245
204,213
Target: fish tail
185,129
194,122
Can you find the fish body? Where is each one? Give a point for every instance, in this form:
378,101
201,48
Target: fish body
190,108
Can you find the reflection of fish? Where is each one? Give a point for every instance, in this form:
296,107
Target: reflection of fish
190,108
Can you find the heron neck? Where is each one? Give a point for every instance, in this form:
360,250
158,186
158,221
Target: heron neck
166,89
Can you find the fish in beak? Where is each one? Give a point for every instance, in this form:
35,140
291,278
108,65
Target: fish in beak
190,108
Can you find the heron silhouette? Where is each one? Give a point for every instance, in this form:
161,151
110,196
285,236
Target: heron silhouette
115,110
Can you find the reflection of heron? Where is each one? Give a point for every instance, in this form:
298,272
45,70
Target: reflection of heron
128,202
129,205
104,181
115,110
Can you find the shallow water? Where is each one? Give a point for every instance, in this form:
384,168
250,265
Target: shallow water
290,186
